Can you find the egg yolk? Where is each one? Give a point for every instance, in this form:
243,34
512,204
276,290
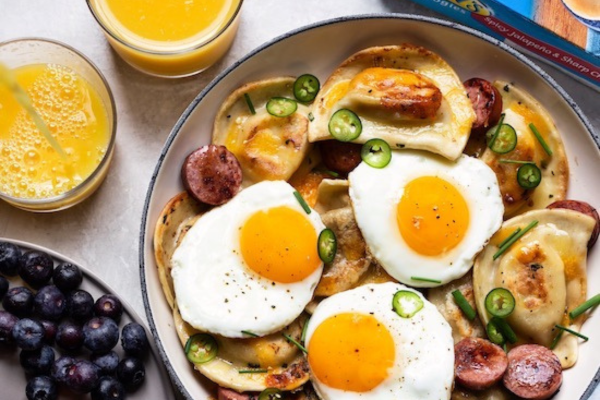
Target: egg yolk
351,352
280,244
432,216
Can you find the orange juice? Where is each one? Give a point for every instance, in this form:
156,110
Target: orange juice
168,37
30,168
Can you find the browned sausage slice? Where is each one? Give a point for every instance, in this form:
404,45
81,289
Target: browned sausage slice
478,363
584,208
534,372
340,156
487,103
212,175
228,394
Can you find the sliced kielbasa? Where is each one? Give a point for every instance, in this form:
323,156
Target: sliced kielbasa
228,394
212,175
340,156
584,208
534,372
478,363
487,103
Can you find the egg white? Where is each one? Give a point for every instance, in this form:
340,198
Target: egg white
375,194
216,291
424,360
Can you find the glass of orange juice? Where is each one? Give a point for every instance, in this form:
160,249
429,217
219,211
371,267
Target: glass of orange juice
168,38
73,99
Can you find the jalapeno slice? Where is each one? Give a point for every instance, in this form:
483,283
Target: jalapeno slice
502,139
529,176
500,302
306,88
201,348
345,125
327,245
270,394
494,333
281,107
407,303
376,153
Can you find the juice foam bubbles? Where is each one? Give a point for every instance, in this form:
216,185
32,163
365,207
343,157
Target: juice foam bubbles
29,167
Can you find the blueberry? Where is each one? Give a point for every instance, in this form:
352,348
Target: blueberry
81,377
28,334
131,373
50,303
81,305
3,287
7,323
100,334
9,259
41,388
109,306
106,363
67,277
37,362
49,331
19,301
60,368
36,268
134,340
108,388
69,336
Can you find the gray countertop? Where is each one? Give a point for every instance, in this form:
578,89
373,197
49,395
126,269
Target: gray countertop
102,233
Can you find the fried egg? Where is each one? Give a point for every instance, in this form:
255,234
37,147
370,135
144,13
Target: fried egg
250,265
425,217
404,94
545,270
360,348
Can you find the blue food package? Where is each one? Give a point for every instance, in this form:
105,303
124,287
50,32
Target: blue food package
565,33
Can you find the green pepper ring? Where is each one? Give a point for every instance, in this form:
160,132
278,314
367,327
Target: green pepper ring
306,88
345,125
500,302
529,176
407,303
201,348
327,245
270,394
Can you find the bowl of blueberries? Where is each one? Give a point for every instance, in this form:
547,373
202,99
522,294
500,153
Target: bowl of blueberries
69,333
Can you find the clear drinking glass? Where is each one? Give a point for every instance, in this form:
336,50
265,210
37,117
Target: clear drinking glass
30,51
168,59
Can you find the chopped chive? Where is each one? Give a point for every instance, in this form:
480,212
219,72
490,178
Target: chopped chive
298,345
514,238
250,333
253,371
505,329
302,202
540,139
419,279
516,162
311,117
577,311
464,305
512,235
331,173
572,332
249,102
556,339
505,347
497,131
304,329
